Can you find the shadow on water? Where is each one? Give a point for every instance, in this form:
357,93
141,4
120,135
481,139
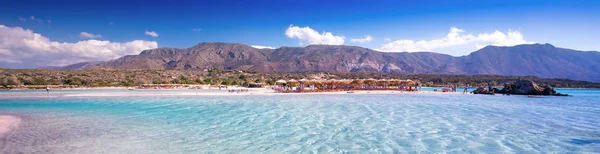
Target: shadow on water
585,141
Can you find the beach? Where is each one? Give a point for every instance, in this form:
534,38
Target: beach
103,92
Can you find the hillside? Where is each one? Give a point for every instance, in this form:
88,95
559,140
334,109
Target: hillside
543,60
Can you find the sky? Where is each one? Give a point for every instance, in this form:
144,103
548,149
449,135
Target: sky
37,33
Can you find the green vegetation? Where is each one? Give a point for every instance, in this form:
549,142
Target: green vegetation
95,78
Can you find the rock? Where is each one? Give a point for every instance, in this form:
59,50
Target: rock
480,91
527,87
484,91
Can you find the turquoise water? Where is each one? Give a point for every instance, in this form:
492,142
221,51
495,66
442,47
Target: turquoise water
346,123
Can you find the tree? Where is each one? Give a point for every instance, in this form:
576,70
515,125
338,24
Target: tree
183,79
206,81
74,81
226,82
157,81
141,81
243,77
235,82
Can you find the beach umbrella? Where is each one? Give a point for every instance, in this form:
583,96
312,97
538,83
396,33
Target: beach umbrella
357,82
293,83
408,82
382,82
370,82
280,81
345,82
303,81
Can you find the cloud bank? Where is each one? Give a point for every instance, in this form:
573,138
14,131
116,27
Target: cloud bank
307,35
367,38
23,46
457,39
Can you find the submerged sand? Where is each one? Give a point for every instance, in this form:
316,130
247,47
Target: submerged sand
7,123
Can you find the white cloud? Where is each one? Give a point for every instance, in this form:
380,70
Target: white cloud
196,29
310,36
455,41
262,47
151,33
32,18
23,46
89,35
367,38
387,39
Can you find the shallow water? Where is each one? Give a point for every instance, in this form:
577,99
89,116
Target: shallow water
352,123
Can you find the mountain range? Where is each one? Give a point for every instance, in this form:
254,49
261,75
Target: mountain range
542,60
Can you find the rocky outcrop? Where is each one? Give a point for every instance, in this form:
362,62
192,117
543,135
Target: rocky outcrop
527,87
521,87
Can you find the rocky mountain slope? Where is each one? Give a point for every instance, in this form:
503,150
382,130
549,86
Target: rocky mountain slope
542,60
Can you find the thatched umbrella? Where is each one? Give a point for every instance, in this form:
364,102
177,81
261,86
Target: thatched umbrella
345,82
293,83
304,81
407,82
370,82
280,82
383,82
394,82
358,82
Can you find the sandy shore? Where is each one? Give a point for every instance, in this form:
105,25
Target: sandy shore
7,123
252,92
191,92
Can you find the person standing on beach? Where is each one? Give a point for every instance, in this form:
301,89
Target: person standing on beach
47,89
466,89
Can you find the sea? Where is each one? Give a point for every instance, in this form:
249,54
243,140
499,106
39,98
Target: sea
307,123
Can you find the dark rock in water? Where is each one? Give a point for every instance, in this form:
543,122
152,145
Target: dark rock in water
483,91
480,91
522,87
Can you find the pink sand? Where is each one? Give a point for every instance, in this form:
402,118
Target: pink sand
7,123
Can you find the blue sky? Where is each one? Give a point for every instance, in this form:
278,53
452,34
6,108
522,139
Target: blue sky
393,26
